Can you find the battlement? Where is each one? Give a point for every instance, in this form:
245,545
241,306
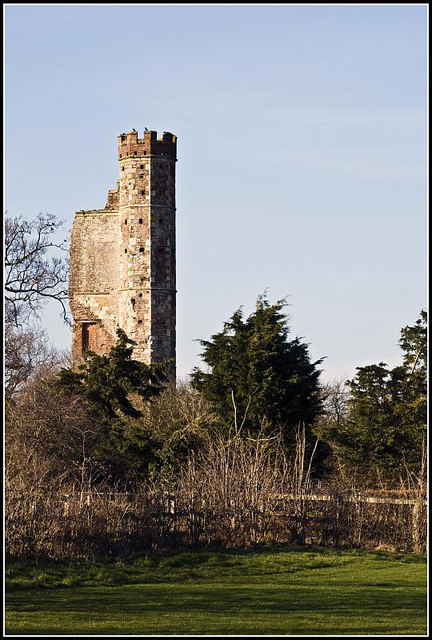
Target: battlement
130,145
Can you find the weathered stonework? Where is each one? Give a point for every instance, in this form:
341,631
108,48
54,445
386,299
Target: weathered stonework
122,258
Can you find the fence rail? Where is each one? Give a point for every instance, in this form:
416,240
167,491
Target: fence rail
91,496
66,524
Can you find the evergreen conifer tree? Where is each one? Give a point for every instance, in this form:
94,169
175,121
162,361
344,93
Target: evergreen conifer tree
256,372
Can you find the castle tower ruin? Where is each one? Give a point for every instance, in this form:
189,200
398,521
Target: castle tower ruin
122,257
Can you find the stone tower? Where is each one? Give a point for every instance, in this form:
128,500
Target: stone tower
122,257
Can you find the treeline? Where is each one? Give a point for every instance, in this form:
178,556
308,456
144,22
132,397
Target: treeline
113,456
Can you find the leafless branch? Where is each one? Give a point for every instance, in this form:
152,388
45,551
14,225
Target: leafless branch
32,277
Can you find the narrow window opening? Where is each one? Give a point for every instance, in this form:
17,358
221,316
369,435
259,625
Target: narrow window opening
125,250
141,250
133,302
125,221
85,336
140,295
139,321
140,220
141,166
142,192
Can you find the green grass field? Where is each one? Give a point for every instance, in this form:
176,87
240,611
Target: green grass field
277,590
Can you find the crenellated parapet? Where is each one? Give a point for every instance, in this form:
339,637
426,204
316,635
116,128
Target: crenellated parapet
130,145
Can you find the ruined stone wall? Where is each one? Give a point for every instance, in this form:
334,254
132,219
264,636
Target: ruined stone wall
123,257
93,281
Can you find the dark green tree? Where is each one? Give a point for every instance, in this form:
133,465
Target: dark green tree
257,373
385,430
119,388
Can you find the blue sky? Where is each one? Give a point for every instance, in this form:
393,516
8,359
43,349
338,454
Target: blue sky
301,155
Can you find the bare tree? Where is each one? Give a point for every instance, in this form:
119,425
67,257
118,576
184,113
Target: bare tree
26,352
180,417
50,431
335,401
414,485
31,276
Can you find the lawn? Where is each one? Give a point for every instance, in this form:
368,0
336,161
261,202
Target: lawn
266,590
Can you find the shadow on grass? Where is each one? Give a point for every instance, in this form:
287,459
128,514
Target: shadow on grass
216,564
219,609
268,599
261,590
